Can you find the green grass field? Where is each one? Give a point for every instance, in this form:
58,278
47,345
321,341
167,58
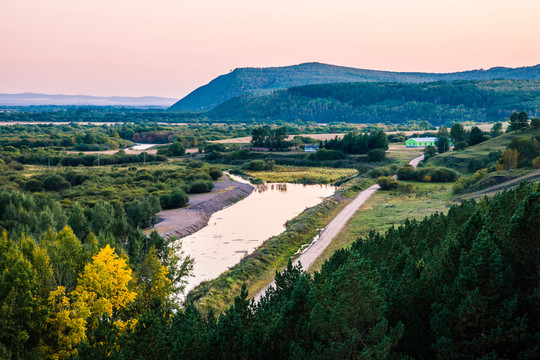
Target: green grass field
305,175
387,208
459,160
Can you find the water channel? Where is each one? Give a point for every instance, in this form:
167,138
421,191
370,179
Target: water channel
239,229
142,146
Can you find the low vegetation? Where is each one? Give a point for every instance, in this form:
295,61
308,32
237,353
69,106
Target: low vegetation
303,175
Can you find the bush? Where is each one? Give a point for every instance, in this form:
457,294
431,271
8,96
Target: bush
176,199
200,186
380,171
214,155
243,154
259,165
387,183
34,185
376,155
55,183
436,174
460,145
195,164
535,123
325,154
460,185
176,149
215,173
429,152
144,176
214,147
406,172
476,164
444,175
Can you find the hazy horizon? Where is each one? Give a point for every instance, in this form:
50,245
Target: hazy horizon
168,48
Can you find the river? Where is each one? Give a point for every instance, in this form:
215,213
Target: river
142,146
239,229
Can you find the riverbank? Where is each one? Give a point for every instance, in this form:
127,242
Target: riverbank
333,229
182,222
258,268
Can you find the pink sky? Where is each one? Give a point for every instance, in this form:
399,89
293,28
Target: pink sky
170,47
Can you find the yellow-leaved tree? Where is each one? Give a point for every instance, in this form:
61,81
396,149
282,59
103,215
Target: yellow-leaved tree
508,161
104,286
66,325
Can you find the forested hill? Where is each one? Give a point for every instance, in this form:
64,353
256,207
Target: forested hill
436,102
261,81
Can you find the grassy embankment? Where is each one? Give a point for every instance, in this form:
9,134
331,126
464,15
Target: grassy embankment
258,268
388,208
460,160
304,175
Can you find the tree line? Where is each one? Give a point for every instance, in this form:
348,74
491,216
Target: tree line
462,285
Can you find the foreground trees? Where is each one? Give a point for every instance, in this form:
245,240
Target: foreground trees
463,285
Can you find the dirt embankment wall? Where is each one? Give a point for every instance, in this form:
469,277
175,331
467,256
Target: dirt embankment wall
180,223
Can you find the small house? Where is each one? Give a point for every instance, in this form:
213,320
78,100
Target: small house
311,148
420,142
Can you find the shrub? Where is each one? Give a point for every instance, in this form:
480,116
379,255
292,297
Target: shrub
442,174
176,199
380,171
536,163
215,173
214,147
195,164
259,165
387,183
325,154
460,145
406,172
429,152
55,183
376,155
144,176
535,123
243,154
176,149
214,155
34,185
436,174
200,186
460,185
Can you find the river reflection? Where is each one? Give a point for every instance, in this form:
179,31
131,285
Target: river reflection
239,229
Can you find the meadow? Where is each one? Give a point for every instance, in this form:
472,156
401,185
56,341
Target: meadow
390,208
303,175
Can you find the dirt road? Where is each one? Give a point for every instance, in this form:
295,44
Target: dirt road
334,227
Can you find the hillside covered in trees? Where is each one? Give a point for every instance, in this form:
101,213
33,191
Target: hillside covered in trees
261,81
437,102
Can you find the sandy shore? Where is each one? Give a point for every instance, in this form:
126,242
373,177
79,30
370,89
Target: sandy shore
182,222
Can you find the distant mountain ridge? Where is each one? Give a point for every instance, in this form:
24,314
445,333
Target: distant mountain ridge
441,102
25,99
262,81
